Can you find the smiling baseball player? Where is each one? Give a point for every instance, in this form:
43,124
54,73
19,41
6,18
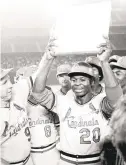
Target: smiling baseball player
81,119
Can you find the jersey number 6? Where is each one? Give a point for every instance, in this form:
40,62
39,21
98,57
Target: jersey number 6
86,133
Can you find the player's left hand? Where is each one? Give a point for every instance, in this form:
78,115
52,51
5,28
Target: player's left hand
105,50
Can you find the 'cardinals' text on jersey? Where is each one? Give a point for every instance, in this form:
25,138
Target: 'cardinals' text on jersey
81,126
16,137
42,126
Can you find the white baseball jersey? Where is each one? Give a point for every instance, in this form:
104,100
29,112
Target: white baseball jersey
81,126
43,131
42,126
70,94
17,146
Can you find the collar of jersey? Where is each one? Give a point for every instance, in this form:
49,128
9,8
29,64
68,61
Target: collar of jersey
62,92
84,103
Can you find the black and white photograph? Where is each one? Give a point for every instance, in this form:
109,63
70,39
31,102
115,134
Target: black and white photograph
63,82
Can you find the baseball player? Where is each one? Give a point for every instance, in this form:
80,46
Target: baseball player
119,70
110,153
5,97
63,79
82,123
95,63
43,128
15,134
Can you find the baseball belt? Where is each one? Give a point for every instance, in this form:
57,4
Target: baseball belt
43,149
80,159
22,162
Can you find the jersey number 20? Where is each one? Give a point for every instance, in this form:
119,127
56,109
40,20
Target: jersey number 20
86,133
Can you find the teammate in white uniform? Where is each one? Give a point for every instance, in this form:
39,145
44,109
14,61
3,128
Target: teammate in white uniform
81,120
63,79
43,127
65,86
15,134
95,63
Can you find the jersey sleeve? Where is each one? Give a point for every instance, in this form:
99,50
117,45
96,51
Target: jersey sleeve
56,120
45,99
109,102
114,94
106,108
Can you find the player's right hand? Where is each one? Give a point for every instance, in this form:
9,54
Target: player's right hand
51,47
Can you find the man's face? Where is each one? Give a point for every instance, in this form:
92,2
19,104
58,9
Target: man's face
119,74
64,79
5,88
80,85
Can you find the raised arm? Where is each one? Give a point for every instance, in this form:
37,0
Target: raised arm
44,67
40,93
112,87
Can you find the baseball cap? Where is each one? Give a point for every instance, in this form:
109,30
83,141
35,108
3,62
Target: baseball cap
82,68
121,63
4,72
64,68
114,58
95,62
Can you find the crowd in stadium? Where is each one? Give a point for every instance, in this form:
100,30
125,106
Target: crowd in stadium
81,123
21,60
